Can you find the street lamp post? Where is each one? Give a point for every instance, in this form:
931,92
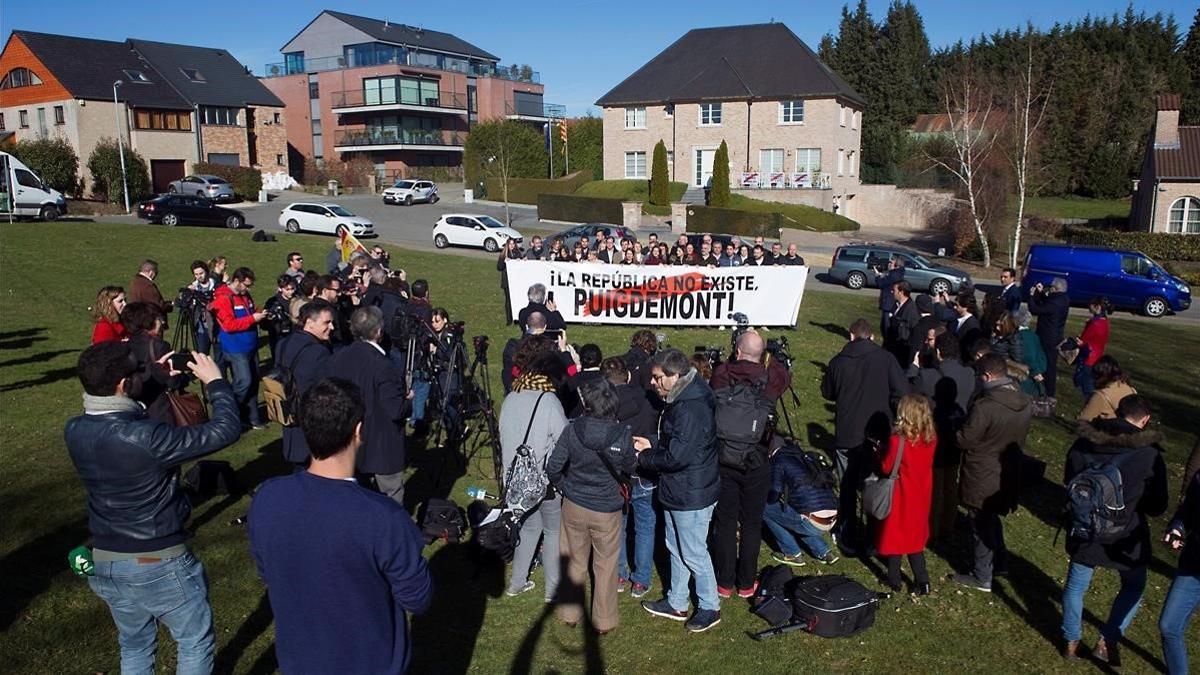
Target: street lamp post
120,144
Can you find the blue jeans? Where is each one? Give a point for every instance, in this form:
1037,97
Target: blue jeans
173,591
641,515
203,339
1124,606
243,376
687,540
1084,379
786,524
420,387
1182,601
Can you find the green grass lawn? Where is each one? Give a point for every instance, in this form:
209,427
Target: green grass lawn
51,622
1074,207
632,191
796,216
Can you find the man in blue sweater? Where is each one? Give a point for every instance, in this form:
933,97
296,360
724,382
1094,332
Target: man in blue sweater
328,548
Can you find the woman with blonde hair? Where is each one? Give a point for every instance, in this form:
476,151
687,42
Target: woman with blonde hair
106,312
905,531
217,270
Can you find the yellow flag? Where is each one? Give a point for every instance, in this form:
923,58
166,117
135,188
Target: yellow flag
348,244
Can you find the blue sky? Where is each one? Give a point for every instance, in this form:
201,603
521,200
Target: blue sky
582,48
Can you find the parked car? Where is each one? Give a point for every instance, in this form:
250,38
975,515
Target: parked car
1130,280
172,210
310,217
572,235
407,192
463,229
203,185
858,265
25,193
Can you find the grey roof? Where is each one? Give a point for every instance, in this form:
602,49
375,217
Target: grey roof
399,33
88,68
226,82
760,61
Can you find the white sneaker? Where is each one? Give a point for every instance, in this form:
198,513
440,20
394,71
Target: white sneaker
529,585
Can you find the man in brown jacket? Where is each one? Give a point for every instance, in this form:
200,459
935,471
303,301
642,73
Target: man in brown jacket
143,288
991,441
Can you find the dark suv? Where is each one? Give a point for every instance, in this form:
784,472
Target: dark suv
857,266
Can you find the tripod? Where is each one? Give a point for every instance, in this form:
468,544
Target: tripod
185,340
477,400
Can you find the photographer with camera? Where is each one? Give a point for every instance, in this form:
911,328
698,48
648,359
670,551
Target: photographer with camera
303,356
745,389
542,303
448,356
278,321
237,321
193,304
153,375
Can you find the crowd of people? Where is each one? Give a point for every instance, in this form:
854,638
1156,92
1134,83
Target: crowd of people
606,248
941,398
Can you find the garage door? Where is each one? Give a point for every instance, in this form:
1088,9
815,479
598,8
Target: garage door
163,171
228,158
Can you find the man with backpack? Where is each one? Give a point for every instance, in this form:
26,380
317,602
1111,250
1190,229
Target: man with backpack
1116,479
801,504
746,398
302,359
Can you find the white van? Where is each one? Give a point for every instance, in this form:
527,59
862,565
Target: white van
22,193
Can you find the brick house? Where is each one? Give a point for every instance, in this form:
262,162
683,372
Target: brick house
405,97
788,120
176,104
1166,195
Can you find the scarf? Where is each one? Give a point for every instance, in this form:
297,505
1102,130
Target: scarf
532,382
681,384
99,405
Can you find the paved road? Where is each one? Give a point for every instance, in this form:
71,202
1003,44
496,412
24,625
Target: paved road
411,227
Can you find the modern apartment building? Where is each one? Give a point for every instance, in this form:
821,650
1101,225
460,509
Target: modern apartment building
173,104
788,120
401,95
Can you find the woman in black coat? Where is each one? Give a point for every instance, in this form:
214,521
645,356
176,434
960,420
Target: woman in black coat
153,378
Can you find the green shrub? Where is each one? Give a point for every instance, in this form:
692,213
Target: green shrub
733,221
1157,245
719,195
659,183
633,190
54,161
526,190
576,209
105,165
246,181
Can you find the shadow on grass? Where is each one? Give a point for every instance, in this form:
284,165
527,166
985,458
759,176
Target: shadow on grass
21,333
48,377
40,357
465,579
436,469
593,659
837,330
22,343
268,464
256,624
28,570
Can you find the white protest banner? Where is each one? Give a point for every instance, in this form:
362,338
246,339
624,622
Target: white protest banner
662,295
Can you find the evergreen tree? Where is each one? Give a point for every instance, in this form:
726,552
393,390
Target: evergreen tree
660,191
719,194
1190,57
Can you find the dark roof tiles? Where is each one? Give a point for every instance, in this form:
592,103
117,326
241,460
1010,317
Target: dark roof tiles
399,33
1182,162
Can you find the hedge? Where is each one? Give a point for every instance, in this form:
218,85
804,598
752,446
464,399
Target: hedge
1157,245
246,181
527,190
733,221
575,209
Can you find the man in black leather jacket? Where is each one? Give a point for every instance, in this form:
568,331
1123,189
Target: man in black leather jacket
129,466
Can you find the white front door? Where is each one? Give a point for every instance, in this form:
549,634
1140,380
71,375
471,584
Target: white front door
704,164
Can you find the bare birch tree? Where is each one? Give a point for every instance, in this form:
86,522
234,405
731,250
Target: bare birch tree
1028,110
970,109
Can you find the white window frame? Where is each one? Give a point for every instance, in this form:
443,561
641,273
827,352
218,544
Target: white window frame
807,165
850,163
633,114
668,111
855,119
841,115
710,108
1186,206
787,112
841,161
774,168
633,155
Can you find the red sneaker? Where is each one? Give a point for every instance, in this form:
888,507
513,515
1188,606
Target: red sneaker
723,592
748,592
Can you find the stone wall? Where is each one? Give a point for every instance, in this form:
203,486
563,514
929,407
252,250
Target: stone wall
870,205
226,139
271,138
1167,194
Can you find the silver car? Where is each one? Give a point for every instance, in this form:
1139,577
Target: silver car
407,191
203,185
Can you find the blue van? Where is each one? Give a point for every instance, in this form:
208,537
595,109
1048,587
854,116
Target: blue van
1130,280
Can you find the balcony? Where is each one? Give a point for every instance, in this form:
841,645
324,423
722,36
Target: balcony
359,100
475,68
361,140
532,111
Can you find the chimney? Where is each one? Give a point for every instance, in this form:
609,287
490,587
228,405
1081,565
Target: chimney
1166,122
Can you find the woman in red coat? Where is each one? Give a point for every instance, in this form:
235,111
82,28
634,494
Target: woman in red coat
1092,342
906,529
110,302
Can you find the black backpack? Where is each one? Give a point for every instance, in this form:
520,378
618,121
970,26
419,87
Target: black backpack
1095,508
832,605
442,519
742,416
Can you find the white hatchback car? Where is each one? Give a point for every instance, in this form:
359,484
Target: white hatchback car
407,192
464,229
303,217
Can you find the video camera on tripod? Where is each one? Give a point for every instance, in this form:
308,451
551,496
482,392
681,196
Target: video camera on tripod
190,300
